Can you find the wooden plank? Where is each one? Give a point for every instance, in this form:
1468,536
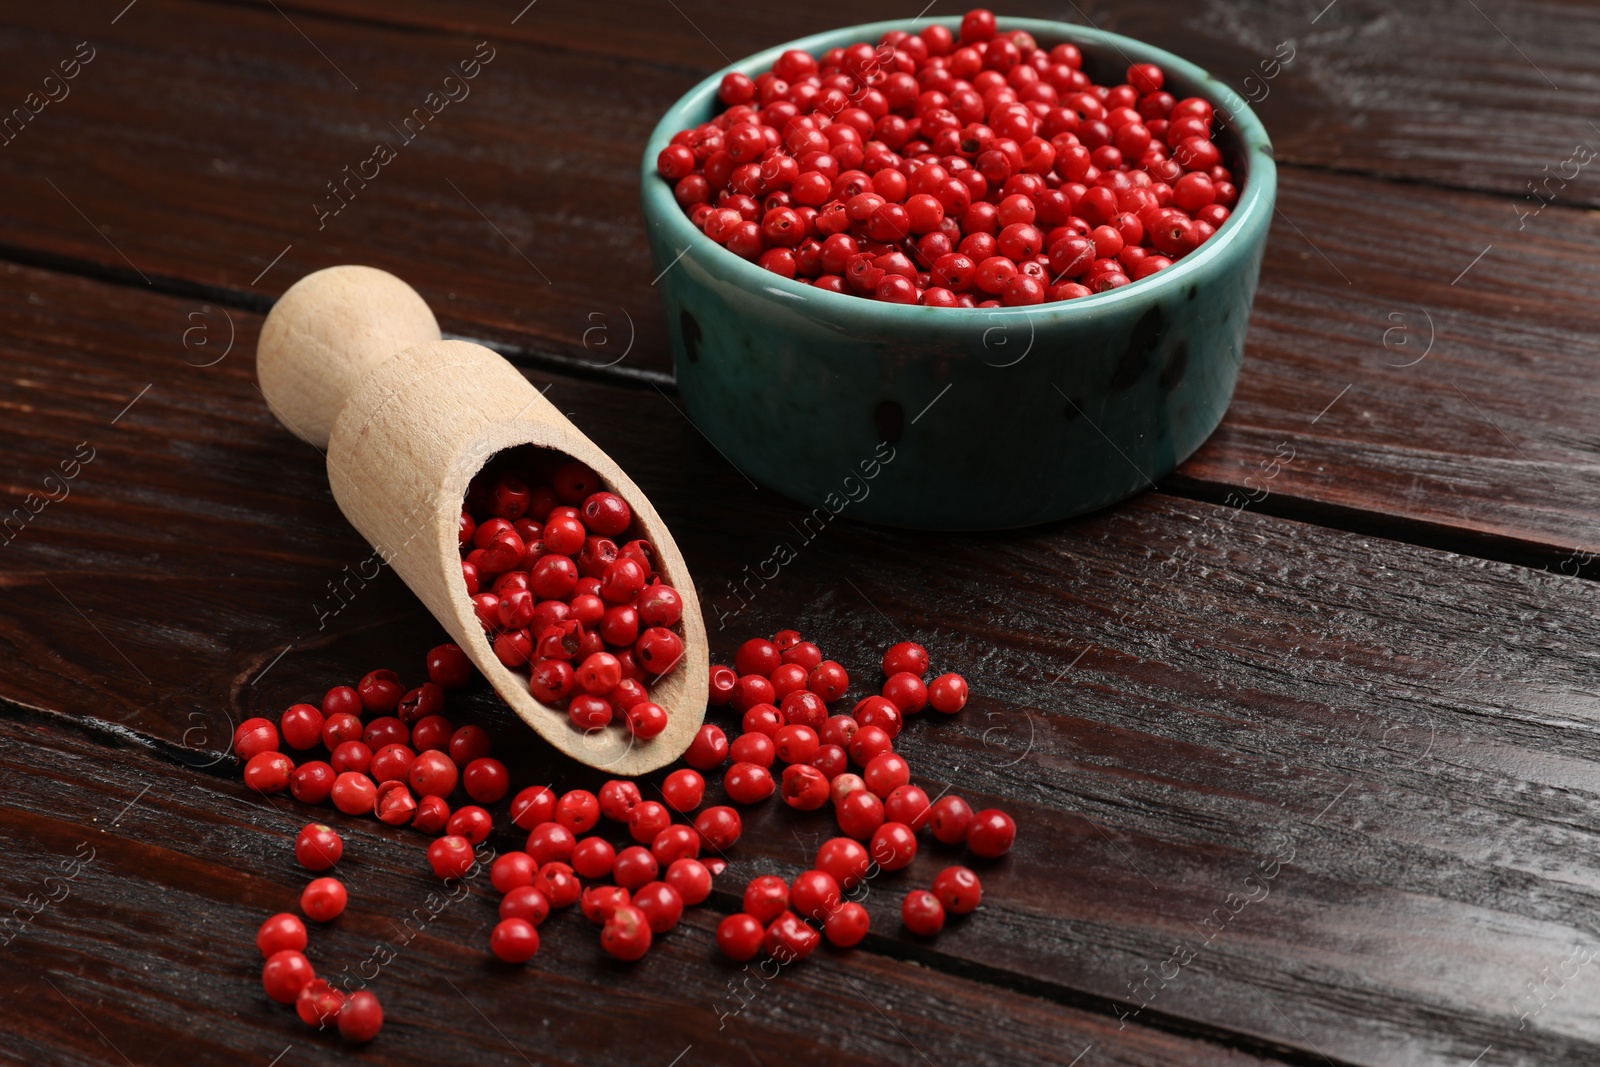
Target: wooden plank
1418,90
505,209
153,940
1449,390
1166,694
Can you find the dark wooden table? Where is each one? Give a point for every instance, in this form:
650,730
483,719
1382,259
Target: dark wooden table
1308,780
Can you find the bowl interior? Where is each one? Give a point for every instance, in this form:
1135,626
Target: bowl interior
1243,141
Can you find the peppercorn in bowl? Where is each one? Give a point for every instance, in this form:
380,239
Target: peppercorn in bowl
988,275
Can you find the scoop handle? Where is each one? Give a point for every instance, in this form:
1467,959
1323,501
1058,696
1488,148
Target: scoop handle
326,334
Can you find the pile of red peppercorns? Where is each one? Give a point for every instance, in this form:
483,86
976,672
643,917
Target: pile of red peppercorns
781,689
588,618
405,763
400,765
979,170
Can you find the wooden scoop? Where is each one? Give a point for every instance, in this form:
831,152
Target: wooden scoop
351,361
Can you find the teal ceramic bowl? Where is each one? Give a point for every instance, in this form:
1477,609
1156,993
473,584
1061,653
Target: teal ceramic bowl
951,418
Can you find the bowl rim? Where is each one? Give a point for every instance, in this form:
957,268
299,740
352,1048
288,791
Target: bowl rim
1256,196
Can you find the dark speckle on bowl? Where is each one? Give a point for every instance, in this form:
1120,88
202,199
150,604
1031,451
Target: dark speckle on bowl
691,335
1136,358
1177,363
890,419
1194,291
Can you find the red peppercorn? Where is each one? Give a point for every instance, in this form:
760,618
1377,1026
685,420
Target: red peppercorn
723,682
578,810
991,833
949,817
958,889
646,720
906,692
470,822
626,934
312,782
789,939
647,819
598,902
559,884
907,804
739,936
757,656
360,1018
323,899
485,780
661,904
803,707
354,793
894,845
846,925
318,847
747,783
868,742
593,857
635,865
532,806
432,816
281,932
829,681
512,870
845,860
683,790
839,730
301,726
804,787
763,719
268,772
467,744
814,895
514,941
253,737
286,973
922,913
380,692
525,902
450,856
448,666
750,690
879,712
719,827
432,774
831,760
690,878
318,1004
756,748
796,744
391,763
948,693
341,700
617,799
339,727
886,772
708,750
843,785
860,814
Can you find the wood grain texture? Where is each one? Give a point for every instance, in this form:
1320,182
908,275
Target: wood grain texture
1167,695
1475,96
153,942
